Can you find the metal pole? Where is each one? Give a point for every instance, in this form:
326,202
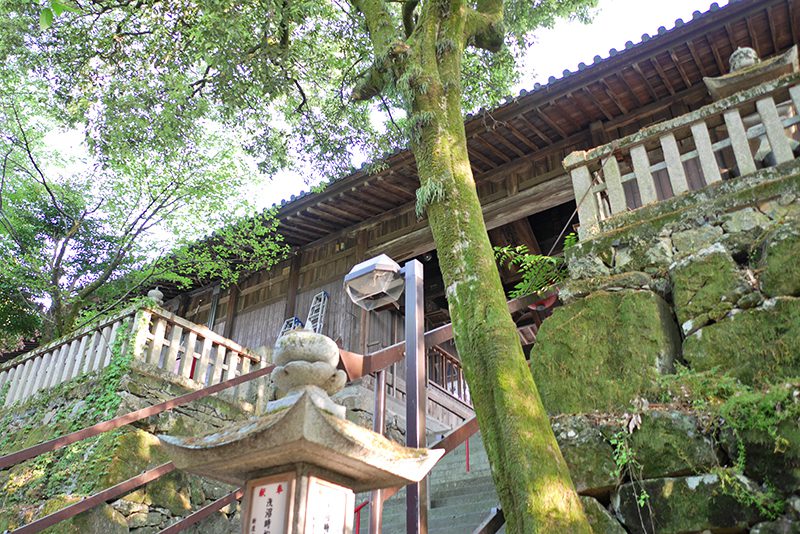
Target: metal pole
416,393
378,424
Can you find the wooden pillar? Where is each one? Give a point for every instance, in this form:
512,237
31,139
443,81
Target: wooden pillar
230,311
294,282
212,313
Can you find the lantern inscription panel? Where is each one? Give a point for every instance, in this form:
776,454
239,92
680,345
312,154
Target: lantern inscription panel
329,508
269,505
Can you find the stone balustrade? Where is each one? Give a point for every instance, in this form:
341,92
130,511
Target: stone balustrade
159,338
728,138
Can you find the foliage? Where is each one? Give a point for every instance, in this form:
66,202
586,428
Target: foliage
81,233
538,272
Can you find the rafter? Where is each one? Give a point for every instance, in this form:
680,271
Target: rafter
491,148
717,56
650,89
621,77
536,130
539,111
588,113
522,137
684,76
610,94
662,75
509,144
753,38
336,211
596,103
696,59
773,33
475,153
328,217
395,188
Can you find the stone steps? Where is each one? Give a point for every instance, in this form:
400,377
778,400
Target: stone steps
459,500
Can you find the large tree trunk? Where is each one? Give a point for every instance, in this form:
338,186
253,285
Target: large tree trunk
530,474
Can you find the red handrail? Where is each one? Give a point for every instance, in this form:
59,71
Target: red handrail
357,513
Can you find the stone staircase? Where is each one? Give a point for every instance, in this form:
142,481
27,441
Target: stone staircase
459,500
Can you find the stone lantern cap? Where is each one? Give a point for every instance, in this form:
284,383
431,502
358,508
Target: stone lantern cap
302,433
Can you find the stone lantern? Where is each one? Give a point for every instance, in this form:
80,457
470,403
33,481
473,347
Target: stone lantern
302,462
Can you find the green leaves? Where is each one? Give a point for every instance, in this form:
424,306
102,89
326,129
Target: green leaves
46,18
56,9
538,272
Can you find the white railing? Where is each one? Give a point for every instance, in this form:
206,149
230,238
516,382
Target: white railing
160,339
689,152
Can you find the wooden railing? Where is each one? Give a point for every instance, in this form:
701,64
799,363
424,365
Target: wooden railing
445,372
159,338
689,152
85,351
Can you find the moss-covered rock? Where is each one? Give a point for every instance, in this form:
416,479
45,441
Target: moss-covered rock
587,453
705,286
690,241
682,505
779,265
102,519
756,346
669,443
600,352
572,290
600,519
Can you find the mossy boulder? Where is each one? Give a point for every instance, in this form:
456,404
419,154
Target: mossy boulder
681,505
600,352
780,526
705,286
572,290
669,443
779,265
588,454
599,518
756,346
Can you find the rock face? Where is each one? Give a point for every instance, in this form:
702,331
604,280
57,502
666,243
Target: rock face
586,347
600,519
681,505
588,454
706,286
780,268
670,443
756,346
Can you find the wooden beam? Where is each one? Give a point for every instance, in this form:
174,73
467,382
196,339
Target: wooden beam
717,56
297,222
567,116
650,89
509,144
336,211
792,21
329,217
374,190
395,188
230,311
696,59
474,152
367,196
731,37
358,209
310,221
491,147
753,37
587,113
610,94
773,32
294,283
293,229
596,103
522,137
539,111
535,130
681,71
621,77
662,75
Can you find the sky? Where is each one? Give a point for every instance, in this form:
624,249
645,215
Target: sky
561,48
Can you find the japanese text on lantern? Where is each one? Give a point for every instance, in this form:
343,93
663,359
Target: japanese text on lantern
327,508
269,506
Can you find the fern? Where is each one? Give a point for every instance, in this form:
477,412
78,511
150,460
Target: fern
538,272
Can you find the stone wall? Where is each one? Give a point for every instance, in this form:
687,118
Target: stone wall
682,320
37,487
